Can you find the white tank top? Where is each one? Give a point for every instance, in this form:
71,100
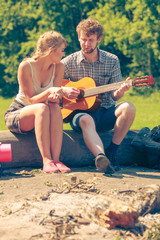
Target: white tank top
21,98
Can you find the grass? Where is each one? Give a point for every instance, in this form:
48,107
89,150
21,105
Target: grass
147,110
4,104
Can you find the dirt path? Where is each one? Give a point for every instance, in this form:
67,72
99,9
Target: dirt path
35,205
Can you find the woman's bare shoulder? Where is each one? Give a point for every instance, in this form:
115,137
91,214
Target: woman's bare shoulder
59,67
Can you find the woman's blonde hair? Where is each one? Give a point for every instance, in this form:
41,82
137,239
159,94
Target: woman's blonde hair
51,39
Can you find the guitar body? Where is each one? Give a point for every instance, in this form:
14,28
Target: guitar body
89,98
87,104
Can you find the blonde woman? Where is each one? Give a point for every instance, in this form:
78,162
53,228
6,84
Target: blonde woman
36,105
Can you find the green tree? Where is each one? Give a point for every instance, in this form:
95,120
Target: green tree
64,16
19,20
25,21
131,32
132,27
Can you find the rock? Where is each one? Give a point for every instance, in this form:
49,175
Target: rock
118,215
117,212
146,199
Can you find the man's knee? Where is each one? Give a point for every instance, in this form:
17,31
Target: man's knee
126,110
131,110
86,121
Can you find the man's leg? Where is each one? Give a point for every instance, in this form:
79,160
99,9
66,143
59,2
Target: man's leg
86,123
125,114
90,135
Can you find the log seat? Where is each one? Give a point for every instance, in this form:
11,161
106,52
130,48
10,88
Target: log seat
25,152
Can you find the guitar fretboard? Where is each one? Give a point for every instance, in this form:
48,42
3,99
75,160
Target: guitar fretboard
102,89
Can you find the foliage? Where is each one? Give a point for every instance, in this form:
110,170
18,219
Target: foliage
131,31
14,27
132,27
64,16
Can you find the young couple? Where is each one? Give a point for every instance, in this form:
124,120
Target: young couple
36,106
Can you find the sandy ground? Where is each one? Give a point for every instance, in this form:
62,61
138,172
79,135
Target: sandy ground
37,206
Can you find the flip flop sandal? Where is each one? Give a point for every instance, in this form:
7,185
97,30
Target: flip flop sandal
50,167
62,167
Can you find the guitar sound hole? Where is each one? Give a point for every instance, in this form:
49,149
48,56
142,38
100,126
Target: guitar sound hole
81,95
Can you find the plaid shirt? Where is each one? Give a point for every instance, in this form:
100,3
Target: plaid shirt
104,71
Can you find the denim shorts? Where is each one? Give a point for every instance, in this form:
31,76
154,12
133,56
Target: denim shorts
12,117
104,119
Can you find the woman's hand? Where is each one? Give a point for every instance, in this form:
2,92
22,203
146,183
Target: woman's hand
70,92
56,93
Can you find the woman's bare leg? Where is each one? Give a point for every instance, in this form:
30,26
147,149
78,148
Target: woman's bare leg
56,130
38,116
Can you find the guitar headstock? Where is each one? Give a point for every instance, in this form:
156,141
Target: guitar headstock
142,81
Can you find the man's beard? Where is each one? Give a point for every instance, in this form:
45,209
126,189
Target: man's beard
90,51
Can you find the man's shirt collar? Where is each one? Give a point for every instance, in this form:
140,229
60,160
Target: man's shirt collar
101,57
81,57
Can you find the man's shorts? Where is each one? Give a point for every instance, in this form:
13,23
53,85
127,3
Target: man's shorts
104,119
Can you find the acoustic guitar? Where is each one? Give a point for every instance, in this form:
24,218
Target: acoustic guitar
89,98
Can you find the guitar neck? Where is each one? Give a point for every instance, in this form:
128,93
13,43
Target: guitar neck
105,88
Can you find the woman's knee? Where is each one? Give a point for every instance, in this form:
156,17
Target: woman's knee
42,109
54,107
